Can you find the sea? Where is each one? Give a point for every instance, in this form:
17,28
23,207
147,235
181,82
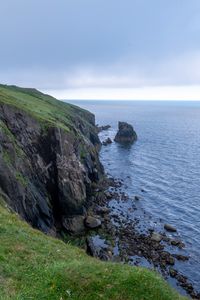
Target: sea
164,162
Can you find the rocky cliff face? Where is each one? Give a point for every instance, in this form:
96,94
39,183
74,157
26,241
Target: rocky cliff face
48,161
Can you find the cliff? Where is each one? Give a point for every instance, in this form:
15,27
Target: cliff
48,157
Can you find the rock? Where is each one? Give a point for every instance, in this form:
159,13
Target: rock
98,249
125,134
169,227
177,243
181,257
107,142
172,272
102,128
74,225
156,237
103,210
92,222
108,195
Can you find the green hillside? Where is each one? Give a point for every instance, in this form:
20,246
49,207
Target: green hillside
44,108
36,266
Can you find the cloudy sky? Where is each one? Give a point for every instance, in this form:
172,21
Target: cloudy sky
102,49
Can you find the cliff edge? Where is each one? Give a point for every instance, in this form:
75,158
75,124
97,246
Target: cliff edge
48,157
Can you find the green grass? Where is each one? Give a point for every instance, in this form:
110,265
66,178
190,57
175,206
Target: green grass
46,109
36,266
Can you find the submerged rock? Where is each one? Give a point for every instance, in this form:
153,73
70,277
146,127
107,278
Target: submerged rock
125,134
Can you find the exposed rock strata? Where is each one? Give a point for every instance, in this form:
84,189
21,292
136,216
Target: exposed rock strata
47,173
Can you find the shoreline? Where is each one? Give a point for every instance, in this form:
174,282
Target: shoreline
121,239
132,239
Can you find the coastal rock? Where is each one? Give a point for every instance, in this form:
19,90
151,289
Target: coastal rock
170,228
181,257
74,225
107,142
156,237
172,272
92,222
125,134
102,128
98,250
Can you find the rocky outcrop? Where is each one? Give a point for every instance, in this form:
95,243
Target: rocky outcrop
126,133
47,172
102,128
107,142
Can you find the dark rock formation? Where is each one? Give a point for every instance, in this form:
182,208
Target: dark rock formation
92,222
74,225
169,227
125,134
47,172
101,128
107,142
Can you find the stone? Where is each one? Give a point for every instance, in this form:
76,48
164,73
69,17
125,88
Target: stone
172,272
74,225
177,244
156,237
126,133
169,227
107,142
181,257
102,128
92,222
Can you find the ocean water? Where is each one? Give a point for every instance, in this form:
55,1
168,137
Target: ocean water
165,162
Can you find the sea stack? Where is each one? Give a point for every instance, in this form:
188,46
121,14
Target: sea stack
126,133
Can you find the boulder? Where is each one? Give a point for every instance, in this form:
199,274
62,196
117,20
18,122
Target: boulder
156,237
169,227
125,134
74,225
107,142
92,222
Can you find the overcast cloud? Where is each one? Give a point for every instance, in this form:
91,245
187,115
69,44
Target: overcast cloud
91,45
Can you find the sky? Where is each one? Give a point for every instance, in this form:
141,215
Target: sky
102,49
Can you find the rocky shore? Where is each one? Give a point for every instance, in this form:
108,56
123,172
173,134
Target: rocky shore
121,239
126,239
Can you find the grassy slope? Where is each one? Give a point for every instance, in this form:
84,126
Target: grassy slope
43,107
35,266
